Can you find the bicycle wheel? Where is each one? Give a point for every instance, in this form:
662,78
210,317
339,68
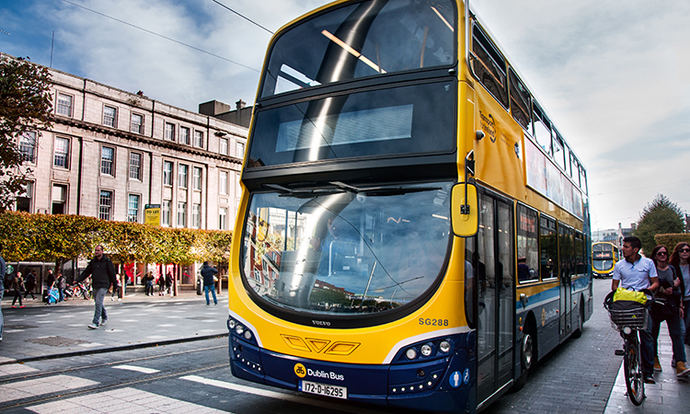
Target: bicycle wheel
632,366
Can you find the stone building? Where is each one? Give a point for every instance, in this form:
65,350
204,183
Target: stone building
110,153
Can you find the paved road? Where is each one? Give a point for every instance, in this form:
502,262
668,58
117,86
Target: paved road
187,373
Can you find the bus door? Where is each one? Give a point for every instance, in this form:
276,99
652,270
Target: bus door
566,268
492,259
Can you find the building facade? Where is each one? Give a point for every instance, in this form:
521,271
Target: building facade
110,153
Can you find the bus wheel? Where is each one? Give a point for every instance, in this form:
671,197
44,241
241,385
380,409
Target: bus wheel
528,353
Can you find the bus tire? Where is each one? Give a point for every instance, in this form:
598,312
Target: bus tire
528,353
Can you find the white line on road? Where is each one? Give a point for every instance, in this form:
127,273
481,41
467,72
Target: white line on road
137,369
41,386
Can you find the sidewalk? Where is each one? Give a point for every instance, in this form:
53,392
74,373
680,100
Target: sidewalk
44,331
668,395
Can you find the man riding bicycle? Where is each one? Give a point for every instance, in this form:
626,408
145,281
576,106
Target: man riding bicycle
635,272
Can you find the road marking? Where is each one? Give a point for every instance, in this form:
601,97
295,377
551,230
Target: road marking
13,369
122,400
278,395
137,369
40,386
13,330
90,345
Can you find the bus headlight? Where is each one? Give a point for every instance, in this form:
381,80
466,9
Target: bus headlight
444,346
426,350
411,353
231,324
247,335
239,329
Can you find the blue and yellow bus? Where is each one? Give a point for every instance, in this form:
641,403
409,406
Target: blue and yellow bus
413,229
604,257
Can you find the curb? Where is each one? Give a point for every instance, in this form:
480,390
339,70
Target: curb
113,349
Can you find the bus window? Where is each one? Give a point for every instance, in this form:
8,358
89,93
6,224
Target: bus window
519,102
565,244
548,253
527,245
575,171
364,39
558,150
542,130
583,180
488,65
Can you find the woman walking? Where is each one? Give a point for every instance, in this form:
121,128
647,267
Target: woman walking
670,292
18,285
680,260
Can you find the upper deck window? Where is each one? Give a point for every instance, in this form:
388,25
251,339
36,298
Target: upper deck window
488,65
520,102
359,40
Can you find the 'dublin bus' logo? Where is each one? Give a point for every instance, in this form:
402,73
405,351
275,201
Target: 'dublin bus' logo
300,370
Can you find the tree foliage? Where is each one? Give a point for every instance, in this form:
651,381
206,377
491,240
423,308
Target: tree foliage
660,216
671,239
25,105
57,238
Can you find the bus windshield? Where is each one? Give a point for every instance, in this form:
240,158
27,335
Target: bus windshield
359,40
346,250
602,264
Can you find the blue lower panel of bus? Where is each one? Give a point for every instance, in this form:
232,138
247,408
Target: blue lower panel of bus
434,383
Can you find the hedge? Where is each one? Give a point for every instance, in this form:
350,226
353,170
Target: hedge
671,239
57,238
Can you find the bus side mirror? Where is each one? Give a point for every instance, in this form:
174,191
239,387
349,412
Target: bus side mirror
464,215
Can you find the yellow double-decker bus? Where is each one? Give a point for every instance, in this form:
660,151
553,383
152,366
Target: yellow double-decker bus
604,257
413,228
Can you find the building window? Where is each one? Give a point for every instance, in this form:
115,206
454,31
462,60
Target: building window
24,198
184,135
199,138
223,218
181,213
167,173
165,212
61,156
223,183
27,146
196,216
109,116
133,208
169,131
182,171
135,165
64,104
223,146
105,204
107,160
239,147
197,178
137,124
59,199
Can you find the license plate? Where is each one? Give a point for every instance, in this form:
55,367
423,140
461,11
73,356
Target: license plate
328,390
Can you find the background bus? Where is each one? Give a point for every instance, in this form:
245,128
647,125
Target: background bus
350,275
604,257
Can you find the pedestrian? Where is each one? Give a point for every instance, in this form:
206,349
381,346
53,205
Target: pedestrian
18,286
680,260
161,285
102,273
209,274
30,284
670,293
148,283
168,283
50,279
61,283
635,272
3,271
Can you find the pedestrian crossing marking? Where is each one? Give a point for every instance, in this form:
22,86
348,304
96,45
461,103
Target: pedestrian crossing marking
121,400
40,386
13,369
137,369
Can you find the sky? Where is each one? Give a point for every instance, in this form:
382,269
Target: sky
613,76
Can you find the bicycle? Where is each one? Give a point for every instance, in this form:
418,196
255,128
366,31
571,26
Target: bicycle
629,318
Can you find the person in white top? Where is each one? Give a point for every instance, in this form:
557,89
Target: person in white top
635,272
680,259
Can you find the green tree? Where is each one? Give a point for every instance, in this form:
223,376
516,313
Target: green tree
660,216
25,105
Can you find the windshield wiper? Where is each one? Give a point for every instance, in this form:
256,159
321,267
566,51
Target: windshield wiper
380,190
285,191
